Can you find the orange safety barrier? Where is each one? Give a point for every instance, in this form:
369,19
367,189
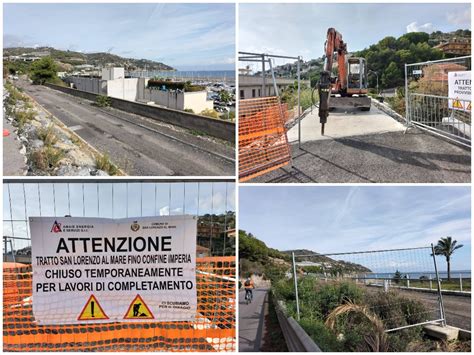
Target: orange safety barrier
213,330
263,144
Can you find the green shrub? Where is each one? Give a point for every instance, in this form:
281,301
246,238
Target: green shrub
22,117
103,101
321,335
174,85
210,113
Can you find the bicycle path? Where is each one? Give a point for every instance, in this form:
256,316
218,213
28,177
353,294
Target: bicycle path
252,320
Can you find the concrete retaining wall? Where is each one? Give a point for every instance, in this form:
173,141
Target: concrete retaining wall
213,127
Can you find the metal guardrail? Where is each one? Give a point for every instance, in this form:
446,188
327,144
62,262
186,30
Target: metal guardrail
295,337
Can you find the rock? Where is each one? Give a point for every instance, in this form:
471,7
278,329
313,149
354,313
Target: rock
23,150
98,172
83,172
37,144
65,161
80,158
69,170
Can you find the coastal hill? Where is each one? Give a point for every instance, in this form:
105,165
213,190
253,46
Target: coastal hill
72,58
256,257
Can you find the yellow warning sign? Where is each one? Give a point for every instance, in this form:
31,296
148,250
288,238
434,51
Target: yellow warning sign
138,310
457,104
468,106
92,310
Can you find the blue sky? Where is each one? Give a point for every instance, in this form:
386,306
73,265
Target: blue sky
300,29
185,36
343,219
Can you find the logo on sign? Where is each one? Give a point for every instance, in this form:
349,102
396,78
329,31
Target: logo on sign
135,226
56,227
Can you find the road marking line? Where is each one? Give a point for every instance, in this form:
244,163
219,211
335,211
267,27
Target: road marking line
75,128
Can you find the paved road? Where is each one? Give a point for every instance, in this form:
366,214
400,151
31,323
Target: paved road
251,321
457,308
415,157
13,160
136,150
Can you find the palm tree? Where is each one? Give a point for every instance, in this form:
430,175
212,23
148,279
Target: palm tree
447,246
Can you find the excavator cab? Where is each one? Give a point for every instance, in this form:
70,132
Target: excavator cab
356,76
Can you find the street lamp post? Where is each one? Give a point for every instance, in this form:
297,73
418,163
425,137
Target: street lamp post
377,76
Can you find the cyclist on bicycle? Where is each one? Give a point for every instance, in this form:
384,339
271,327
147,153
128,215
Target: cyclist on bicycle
249,286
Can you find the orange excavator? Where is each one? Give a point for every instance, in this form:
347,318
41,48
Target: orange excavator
349,88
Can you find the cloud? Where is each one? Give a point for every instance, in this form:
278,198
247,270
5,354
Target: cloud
460,18
10,41
414,27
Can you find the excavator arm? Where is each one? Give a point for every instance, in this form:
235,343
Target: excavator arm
334,44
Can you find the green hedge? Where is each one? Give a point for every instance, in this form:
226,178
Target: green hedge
175,85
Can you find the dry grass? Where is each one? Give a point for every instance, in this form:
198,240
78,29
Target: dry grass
47,135
46,159
103,163
378,340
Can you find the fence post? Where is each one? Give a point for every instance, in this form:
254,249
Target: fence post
460,281
407,119
431,283
408,280
296,287
299,103
440,295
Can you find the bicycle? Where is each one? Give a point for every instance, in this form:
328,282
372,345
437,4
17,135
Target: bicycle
248,296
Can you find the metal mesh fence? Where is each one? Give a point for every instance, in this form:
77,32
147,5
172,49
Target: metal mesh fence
213,330
428,102
212,202
263,144
400,285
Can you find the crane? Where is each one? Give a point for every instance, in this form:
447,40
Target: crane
349,88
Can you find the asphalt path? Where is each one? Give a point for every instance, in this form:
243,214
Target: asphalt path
139,146
456,308
251,321
390,157
13,161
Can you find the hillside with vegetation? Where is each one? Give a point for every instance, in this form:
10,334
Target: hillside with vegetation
68,59
386,57
325,264
256,257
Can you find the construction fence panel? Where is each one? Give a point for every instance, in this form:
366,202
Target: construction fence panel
408,276
213,330
263,143
428,102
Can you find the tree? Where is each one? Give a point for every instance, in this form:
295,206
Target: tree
397,277
225,96
43,70
446,247
391,76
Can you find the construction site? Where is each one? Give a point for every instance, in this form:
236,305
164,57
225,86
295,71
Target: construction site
349,132
70,311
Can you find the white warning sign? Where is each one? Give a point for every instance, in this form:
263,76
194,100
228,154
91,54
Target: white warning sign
459,90
96,270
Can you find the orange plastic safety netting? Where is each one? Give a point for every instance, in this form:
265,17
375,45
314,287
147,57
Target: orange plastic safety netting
213,330
263,144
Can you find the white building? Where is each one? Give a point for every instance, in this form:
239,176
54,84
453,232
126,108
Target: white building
113,83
